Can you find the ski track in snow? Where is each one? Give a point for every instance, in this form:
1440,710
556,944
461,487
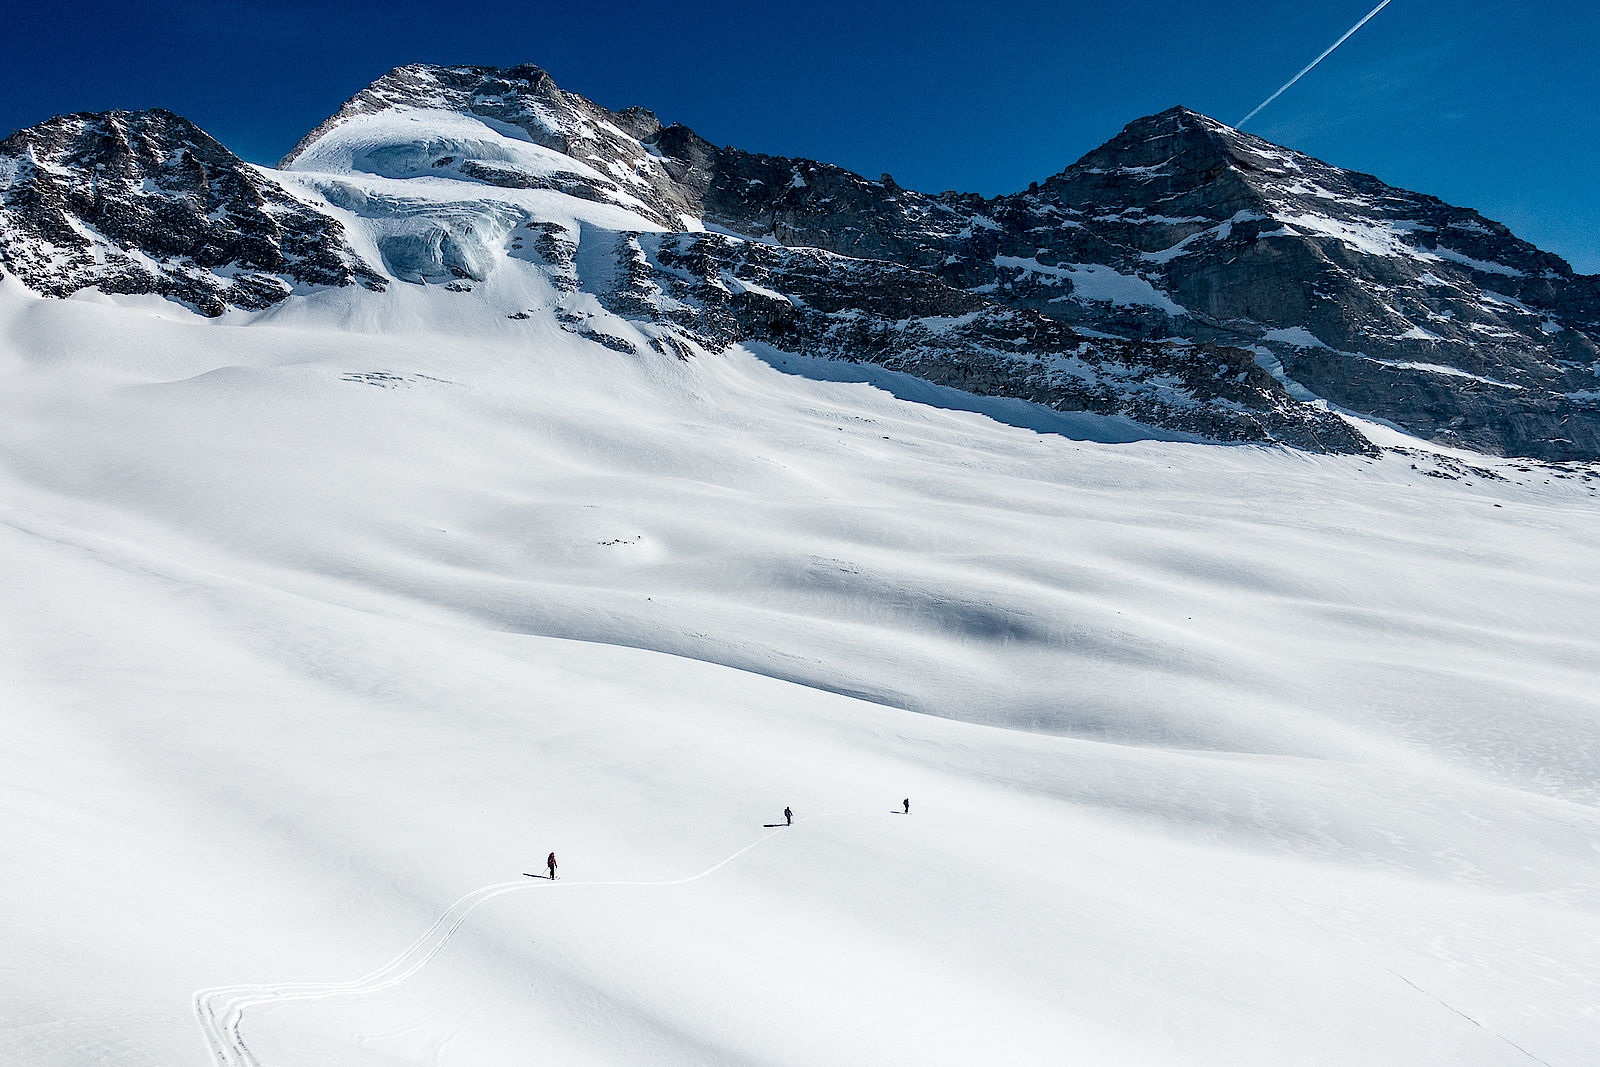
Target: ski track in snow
1452,1008
220,1009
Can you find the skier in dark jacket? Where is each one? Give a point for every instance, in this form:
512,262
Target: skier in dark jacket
788,817
907,803
551,863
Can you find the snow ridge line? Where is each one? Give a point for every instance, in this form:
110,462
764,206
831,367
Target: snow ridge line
220,1009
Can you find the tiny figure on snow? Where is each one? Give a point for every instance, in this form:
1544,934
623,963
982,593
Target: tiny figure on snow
907,803
551,863
788,817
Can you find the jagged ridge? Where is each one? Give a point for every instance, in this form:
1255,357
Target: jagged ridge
147,202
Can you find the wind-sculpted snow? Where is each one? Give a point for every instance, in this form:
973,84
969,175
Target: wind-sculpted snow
221,1011
317,623
597,154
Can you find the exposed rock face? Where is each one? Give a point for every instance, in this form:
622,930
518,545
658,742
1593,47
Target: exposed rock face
801,202
719,290
1385,302
1184,273
146,202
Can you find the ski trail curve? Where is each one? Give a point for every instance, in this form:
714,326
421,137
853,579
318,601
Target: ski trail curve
220,1009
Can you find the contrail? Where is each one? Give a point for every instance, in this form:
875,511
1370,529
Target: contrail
1313,63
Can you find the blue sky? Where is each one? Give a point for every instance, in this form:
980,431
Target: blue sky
1488,105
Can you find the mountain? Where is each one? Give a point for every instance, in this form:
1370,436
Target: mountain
146,202
1184,275
510,507
1383,301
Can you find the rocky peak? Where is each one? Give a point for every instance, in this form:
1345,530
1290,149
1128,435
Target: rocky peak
525,96
1185,163
1177,139
665,173
639,122
1381,300
608,159
145,201
114,144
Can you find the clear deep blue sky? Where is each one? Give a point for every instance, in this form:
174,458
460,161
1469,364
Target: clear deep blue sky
1494,106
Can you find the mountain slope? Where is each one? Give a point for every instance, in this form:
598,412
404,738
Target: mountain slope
461,173
1384,301
1215,755
146,202
1184,275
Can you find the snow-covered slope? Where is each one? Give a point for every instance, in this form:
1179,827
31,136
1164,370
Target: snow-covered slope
499,508
326,623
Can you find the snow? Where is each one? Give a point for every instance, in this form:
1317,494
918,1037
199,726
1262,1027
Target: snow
1511,302
1091,281
1480,265
1306,187
1439,368
1140,173
1384,237
736,284
1298,336
1219,232
438,227
1031,265
325,624
408,142
412,157
1269,361
1139,217
1180,248
1095,282
1373,237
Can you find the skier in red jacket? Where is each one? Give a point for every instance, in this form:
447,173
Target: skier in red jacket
551,863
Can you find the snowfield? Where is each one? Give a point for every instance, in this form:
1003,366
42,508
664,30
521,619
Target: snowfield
322,626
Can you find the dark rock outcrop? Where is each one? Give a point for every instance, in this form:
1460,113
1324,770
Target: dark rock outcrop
146,202
1385,302
817,303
